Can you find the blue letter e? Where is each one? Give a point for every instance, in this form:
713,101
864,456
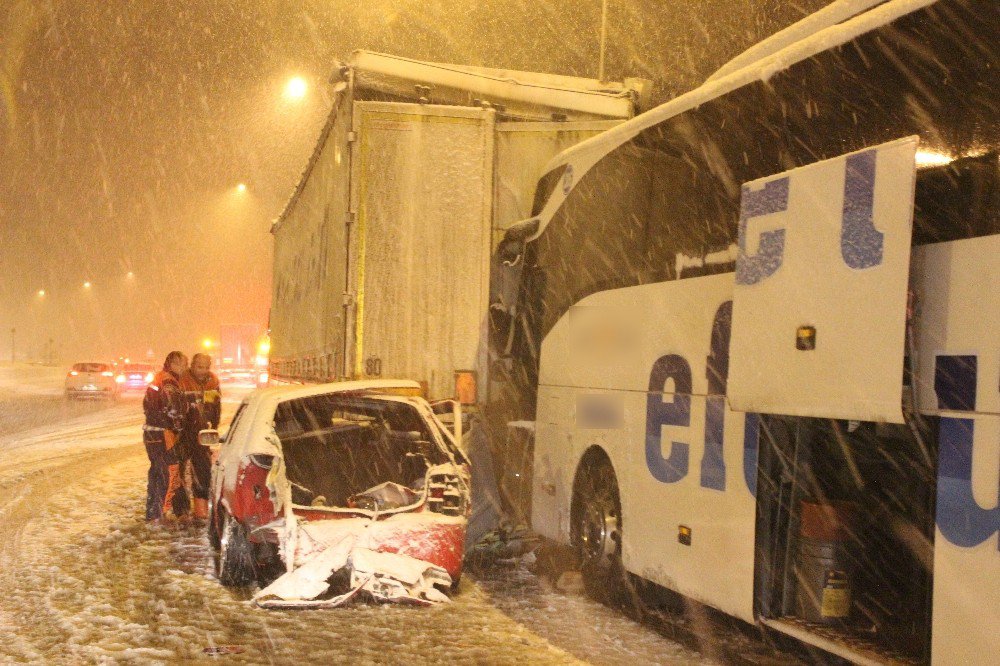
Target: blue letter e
659,413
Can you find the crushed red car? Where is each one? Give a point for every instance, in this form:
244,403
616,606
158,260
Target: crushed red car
324,493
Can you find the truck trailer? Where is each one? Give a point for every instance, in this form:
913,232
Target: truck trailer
382,254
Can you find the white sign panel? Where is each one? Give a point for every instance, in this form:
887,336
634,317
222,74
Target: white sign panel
819,306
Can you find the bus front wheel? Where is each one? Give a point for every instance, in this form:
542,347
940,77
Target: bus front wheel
597,529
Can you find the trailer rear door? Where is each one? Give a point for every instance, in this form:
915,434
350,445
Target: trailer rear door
420,251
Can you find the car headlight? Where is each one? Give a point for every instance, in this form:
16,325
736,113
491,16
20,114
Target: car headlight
120,379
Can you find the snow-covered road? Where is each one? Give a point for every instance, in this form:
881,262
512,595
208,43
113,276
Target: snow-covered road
84,580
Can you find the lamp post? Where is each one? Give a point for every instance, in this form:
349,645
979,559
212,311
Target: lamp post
604,37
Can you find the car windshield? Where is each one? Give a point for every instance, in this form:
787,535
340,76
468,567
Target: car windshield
338,446
91,367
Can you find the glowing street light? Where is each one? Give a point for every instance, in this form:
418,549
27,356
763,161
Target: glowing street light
87,285
130,275
207,343
241,188
296,88
41,293
930,158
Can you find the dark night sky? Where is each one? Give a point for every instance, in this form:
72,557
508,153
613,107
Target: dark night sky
125,127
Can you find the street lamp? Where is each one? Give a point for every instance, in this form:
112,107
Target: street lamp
41,293
296,88
241,188
87,285
604,39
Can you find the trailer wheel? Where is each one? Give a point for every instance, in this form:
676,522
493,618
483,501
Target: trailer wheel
234,562
597,528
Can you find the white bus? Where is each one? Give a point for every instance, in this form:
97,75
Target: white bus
754,333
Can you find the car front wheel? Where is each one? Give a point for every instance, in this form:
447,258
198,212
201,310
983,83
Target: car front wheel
234,564
214,538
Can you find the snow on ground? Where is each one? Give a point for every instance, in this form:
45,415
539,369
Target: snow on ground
32,396
85,580
32,379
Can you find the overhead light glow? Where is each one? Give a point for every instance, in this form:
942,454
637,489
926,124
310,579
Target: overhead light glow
929,158
41,292
86,285
241,188
296,87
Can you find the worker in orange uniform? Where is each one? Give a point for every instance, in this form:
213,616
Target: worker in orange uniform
165,410
204,398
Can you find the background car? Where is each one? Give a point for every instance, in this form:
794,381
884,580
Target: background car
135,376
91,380
351,475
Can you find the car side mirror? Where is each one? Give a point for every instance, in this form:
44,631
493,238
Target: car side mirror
209,437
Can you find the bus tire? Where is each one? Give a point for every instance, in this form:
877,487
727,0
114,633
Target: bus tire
597,528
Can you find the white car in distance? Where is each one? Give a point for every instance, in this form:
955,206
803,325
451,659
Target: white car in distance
91,380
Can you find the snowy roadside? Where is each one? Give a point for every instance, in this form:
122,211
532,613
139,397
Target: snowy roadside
31,397
85,580
24,379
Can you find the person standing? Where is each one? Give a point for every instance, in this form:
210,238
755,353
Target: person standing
164,408
204,397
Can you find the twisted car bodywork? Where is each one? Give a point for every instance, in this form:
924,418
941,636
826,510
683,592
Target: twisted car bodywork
321,493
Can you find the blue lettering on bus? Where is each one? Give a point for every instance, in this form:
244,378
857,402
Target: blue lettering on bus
772,198
713,463
860,241
661,413
751,437
678,413
959,517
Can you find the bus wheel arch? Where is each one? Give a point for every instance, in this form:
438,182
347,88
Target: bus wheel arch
596,524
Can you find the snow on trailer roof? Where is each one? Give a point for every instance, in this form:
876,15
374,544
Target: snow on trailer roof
534,95
531,94
820,36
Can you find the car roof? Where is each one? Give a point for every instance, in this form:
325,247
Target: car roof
261,405
276,394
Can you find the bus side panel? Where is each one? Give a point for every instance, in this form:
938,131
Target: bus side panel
716,568
555,463
966,624
678,453
958,299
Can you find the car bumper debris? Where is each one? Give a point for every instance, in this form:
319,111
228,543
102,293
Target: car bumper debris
384,576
